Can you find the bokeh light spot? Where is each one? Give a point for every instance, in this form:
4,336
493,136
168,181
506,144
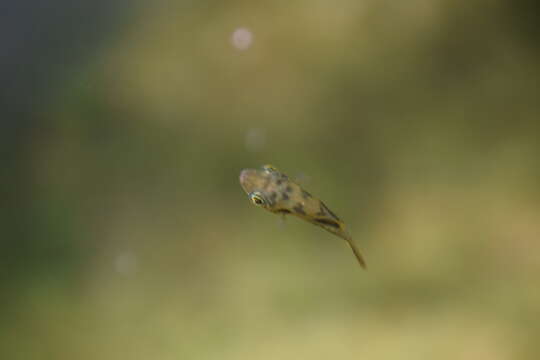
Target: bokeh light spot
242,38
126,263
255,139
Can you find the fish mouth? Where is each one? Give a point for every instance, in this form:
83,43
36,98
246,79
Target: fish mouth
246,179
244,174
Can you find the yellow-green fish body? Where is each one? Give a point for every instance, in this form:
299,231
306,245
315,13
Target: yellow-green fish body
275,192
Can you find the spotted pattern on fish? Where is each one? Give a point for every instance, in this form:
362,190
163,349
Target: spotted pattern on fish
284,211
328,222
299,209
275,192
325,211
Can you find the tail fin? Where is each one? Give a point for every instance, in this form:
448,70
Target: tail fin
357,253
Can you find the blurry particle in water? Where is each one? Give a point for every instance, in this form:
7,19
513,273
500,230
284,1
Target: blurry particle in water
242,38
255,139
126,263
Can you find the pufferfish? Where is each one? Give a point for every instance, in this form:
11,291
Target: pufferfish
274,191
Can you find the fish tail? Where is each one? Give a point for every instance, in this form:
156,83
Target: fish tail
356,252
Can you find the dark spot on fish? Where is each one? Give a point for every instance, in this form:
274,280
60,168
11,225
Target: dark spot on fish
329,222
299,209
288,188
305,194
278,182
273,196
284,211
284,196
326,211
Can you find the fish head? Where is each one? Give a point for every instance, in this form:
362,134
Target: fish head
262,185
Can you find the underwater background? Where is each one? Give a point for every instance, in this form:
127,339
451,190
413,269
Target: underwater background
125,232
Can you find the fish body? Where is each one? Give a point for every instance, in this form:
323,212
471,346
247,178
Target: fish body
274,191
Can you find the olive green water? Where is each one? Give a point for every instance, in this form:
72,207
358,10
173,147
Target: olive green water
417,122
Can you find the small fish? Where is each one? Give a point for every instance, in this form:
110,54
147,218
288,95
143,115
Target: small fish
275,192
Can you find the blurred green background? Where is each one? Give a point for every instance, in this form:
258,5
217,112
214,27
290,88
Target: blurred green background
127,235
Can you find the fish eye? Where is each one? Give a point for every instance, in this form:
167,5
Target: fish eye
270,168
257,198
